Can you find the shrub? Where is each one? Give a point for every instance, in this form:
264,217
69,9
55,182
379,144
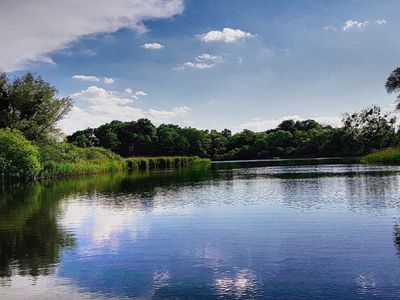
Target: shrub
64,159
18,157
390,155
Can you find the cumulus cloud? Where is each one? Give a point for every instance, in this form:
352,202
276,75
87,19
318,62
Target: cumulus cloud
258,124
352,24
349,24
102,106
45,26
106,80
153,46
202,61
227,35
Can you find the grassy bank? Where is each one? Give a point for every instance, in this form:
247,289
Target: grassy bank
68,160
387,156
22,160
61,160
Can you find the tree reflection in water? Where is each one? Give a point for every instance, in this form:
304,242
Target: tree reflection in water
31,240
396,236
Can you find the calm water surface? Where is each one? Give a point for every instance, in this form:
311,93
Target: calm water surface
238,230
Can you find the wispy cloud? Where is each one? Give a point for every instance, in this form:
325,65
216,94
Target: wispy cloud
202,61
353,24
330,28
226,35
103,106
153,46
106,80
46,26
140,93
134,94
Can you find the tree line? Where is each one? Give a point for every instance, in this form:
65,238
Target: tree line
30,105
360,133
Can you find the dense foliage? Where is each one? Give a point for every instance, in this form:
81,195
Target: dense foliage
62,159
360,133
18,157
29,104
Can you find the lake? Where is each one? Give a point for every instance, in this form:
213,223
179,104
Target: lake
265,229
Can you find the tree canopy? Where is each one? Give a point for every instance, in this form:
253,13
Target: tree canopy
360,133
29,104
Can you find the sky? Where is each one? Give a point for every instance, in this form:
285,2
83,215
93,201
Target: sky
234,64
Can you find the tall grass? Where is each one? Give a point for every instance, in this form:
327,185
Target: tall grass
63,160
389,156
67,160
165,162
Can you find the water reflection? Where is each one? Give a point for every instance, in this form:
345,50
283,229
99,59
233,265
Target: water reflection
31,240
270,231
243,283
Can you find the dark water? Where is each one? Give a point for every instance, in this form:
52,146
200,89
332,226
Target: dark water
250,230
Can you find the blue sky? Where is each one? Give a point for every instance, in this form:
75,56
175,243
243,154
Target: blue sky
274,60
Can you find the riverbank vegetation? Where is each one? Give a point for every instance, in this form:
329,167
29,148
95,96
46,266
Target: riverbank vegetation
360,133
386,156
19,158
31,145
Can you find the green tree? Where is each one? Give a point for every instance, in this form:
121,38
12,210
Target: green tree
392,85
18,157
369,129
83,138
29,104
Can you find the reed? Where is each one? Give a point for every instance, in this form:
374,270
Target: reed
164,162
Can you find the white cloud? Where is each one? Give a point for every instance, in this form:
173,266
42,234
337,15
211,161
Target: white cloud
106,80
208,57
102,106
352,24
258,124
227,35
190,64
33,30
86,78
202,61
140,93
133,94
380,22
153,46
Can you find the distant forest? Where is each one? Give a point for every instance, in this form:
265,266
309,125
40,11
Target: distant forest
360,133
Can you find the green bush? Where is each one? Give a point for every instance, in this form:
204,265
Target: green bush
64,159
18,157
390,156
